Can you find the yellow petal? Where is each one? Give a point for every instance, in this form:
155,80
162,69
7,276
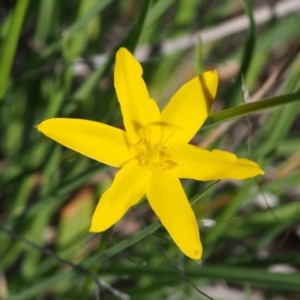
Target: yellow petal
101,142
200,164
169,202
138,109
128,187
189,107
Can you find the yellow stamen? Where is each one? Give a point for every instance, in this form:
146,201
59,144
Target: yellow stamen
150,153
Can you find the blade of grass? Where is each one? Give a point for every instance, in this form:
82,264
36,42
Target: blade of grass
99,6
44,22
247,57
157,11
228,212
130,43
249,224
133,38
249,108
199,57
278,125
47,283
10,44
231,274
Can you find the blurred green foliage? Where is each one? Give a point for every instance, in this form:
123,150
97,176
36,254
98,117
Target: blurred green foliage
56,59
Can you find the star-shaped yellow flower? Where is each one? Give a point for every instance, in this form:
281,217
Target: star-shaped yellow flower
153,152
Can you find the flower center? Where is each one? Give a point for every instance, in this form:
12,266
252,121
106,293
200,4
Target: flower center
150,151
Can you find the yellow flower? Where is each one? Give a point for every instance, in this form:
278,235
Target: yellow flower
153,152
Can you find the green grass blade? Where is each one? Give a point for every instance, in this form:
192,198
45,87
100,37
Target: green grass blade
248,55
250,108
157,11
232,274
130,42
133,38
44,22
77,26
10,44
45,284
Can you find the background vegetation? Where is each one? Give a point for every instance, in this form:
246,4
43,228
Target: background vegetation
56,59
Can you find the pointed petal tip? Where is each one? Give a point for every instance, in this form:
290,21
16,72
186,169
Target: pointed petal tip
93,229
213,73
259,170
212,80
123,52
96,226
196,254
122,49
41,126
